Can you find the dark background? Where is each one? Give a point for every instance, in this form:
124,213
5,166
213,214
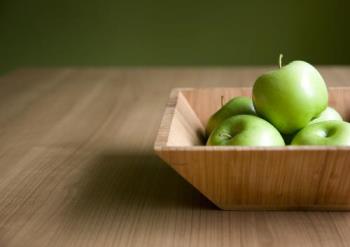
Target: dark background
167,33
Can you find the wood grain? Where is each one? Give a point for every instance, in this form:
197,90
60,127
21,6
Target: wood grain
77,166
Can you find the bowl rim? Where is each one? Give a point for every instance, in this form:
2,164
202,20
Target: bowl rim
167,117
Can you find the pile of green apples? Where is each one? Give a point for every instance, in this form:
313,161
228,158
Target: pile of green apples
289,106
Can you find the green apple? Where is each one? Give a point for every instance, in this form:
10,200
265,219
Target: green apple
333,132
290,96
245,130
328,114
235,106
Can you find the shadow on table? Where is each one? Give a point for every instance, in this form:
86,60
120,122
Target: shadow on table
116,180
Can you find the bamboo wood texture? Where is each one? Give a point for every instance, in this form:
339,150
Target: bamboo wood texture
77,166
247,177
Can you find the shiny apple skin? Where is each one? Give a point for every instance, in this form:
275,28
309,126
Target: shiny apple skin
328,114
245,130
235,106
327,133
291,96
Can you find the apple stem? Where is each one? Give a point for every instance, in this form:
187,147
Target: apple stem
280,60
222,100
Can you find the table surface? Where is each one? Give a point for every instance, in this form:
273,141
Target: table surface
77,166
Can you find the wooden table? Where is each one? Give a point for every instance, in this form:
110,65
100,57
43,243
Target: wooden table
77,166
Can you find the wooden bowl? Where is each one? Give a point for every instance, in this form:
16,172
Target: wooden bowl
292,177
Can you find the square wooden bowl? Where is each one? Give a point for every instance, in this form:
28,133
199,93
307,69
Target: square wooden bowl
292,177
